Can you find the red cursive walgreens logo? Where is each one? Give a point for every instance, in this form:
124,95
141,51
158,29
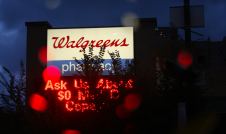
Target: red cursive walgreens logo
66,42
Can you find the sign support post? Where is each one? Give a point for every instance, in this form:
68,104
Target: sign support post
187,22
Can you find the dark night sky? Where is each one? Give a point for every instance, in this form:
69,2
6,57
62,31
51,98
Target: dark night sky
87,13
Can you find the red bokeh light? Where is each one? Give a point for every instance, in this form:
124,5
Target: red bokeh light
51,73
184,59
132,102
71,131
42,55
38,102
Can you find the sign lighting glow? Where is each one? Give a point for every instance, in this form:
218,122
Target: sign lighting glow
64,44
77,96
76,93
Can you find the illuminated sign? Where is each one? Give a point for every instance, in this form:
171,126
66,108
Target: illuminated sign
62,79
77,96
64,44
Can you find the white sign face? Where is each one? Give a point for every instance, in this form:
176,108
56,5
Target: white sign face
64,44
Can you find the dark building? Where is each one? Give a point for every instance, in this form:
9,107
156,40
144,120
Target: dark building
209,61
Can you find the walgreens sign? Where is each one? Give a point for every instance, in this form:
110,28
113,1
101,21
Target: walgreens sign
64,44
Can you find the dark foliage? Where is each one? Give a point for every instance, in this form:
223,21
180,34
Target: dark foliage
12,90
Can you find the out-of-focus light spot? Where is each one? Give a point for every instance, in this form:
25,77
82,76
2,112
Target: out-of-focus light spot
51,73
42,55
132,101
38,102
52,4
184,59
130,19
121,112
71,131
